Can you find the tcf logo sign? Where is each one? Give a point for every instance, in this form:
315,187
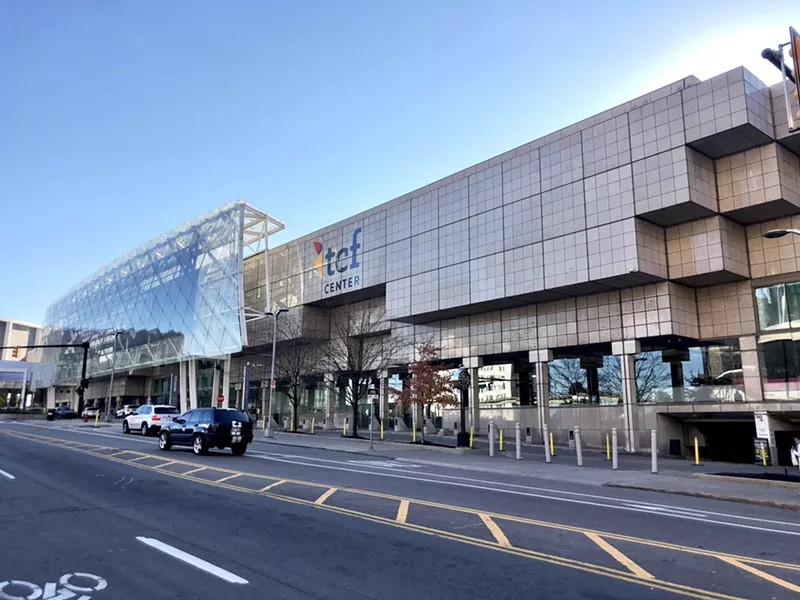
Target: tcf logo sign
341,264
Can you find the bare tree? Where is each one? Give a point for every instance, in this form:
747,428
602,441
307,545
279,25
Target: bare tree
567,378
296,362
360,347
651,375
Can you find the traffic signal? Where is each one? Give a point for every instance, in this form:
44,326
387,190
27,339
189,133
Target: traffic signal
15,352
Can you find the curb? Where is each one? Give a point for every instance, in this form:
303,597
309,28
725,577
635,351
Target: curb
767,482
737,499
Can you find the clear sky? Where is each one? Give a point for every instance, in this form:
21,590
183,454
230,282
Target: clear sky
120,119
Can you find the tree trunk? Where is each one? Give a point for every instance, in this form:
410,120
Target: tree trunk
355,418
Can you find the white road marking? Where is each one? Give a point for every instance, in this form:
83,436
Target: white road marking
549,497
193,560
694,513
6,474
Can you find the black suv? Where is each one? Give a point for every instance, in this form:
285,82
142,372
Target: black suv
204,428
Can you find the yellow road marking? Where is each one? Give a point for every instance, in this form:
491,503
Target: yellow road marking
187,472
402,511
166,464
117,453
548,558
325,496
227,478
759,573
620,557
141,458
496,531
272,485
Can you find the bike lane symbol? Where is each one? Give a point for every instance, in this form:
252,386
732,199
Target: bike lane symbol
52,591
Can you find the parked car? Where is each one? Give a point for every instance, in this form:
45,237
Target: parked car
90,411
149,418
61,412
125,410
204,428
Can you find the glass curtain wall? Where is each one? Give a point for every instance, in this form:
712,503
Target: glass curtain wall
778,311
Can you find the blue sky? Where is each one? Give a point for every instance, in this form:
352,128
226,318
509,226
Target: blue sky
120,119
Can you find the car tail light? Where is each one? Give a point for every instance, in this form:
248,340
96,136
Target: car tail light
213,426
156,418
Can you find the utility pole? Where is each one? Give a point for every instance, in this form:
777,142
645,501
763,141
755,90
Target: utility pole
268,432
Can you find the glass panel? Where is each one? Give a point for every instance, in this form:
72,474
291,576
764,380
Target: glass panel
780,369
175,297
226,416
163,410
772,308
793,302
567,382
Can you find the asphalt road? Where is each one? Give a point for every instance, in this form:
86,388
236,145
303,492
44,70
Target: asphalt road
296,523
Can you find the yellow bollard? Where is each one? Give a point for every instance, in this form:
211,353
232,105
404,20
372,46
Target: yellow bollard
96,418
763,455
471,432
501,439
344,428
291,427
312,425
696,452
414,433
608,449
381,429
552,447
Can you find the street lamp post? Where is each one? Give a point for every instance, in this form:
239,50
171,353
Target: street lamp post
111,380
461,382
268,432
779,233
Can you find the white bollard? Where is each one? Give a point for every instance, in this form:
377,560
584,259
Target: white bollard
546,438
614,464
519,446
491,438
653,451
578,449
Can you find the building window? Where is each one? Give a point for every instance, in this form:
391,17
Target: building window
778,309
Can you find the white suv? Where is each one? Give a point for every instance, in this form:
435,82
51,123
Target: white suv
149,418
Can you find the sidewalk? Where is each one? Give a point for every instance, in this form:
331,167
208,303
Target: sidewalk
674,476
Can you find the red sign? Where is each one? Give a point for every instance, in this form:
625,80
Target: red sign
220,398
273,384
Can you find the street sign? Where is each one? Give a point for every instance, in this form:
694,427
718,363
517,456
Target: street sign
272,384
220,398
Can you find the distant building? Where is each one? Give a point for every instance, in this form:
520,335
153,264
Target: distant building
13,333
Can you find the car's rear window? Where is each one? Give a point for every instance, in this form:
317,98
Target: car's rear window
166,410
226,416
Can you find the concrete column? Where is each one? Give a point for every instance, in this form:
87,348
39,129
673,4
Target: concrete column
215,386
182,383
383,397
192,372
51,397
751,372
626,351
329,387
474,363
541,360
226,381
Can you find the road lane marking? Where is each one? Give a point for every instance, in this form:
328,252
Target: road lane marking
402,511
226,478
6,474
622,575
325,495
669,511
643,510
193,470
166,464
759,573
140,457
199,563
272,485
619,556
495,530
424,478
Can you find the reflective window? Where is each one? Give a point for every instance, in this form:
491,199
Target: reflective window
779,361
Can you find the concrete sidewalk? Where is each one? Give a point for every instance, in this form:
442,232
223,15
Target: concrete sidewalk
673,477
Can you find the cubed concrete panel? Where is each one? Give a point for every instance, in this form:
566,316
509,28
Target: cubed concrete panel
707,251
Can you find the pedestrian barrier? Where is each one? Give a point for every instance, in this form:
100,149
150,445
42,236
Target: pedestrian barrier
578,449
491,438
614,462
547,455
517,436
653,451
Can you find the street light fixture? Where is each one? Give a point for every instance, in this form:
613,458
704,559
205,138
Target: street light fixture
111,381
779,233
268,432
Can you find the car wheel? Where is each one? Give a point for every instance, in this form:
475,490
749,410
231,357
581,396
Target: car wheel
238,449
199,445
145,433
163,441
125,427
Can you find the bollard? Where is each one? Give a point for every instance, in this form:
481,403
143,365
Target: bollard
96,418
614,463
381,429
763,453
552,447
653,452
519,446
414,434
547,458
471,432
313,420
491,438
696,452
501,439
578,449
608,448
344,427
